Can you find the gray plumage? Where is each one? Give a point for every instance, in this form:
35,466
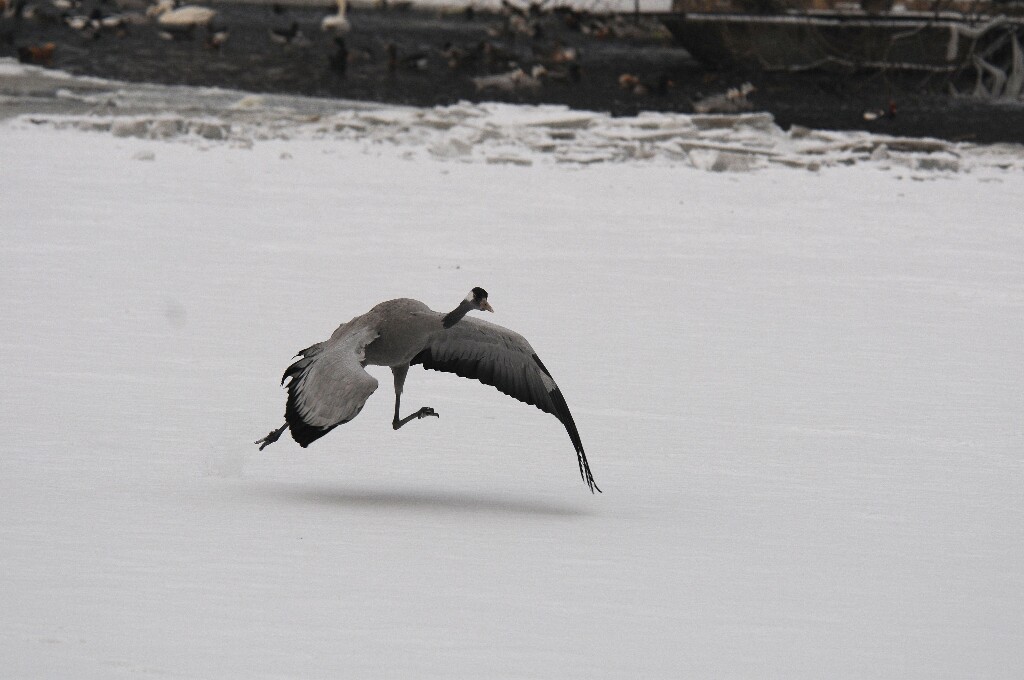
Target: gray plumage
328,384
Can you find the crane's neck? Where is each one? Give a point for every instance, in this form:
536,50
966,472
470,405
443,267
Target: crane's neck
454,316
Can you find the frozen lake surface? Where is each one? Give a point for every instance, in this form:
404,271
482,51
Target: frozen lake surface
800,390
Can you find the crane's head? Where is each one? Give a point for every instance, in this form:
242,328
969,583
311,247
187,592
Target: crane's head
478,299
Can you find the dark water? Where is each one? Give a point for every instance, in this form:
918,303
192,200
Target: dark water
419,72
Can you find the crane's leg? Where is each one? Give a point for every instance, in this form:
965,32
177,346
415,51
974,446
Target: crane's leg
400,373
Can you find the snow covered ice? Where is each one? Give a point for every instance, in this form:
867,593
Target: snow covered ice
797,381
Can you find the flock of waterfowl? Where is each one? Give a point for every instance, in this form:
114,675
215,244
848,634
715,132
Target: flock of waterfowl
94,19
522,50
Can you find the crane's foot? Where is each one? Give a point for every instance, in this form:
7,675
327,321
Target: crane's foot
272,437
422,413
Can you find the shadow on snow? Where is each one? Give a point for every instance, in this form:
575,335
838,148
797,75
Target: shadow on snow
414,500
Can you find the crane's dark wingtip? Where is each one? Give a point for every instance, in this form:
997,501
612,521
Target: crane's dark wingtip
563,414
588,478
303,433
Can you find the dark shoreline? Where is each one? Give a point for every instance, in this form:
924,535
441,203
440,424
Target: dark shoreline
422,75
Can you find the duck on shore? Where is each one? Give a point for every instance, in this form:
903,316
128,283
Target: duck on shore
285,29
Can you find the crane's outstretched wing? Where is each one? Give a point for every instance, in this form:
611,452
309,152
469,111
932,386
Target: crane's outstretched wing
496,356
328,384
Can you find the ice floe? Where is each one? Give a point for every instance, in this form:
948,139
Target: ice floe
466,132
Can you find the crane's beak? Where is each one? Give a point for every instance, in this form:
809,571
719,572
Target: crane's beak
485,305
